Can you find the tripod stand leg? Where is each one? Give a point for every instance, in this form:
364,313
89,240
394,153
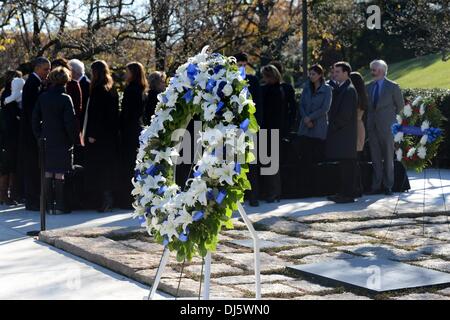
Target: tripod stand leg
256,248
207,283
159,272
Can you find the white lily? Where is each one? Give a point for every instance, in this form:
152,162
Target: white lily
425,125
411,152
184,218
424,139
165,155
417,100
422,152
407,111
398,136
226,173
229,116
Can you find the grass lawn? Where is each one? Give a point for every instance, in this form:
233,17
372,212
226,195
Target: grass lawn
421,72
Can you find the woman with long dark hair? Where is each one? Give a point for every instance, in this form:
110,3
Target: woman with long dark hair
312,132
131,127
101,137
9,136
363,101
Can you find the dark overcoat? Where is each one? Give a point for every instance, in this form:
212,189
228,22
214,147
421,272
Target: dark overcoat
54,120
342,126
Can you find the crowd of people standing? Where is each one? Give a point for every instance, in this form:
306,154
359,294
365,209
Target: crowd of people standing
84,126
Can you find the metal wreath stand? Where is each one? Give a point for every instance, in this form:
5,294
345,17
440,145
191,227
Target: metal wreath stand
207,261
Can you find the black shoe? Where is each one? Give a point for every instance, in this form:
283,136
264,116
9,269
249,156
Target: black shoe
388,192
341,199
60,198
273,199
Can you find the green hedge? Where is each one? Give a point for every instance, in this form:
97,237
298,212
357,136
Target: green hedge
442,98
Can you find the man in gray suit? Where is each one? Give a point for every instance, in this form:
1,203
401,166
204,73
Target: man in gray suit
385,101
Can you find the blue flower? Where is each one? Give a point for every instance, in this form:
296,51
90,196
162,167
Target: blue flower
243,72
141,219
164,98
188,96
197,174
220,106
221,196
218,68
165,241
192,71
183,237
244,125
198,215
210,85
210,195
152,170
222,84
137,175
161,190
237,168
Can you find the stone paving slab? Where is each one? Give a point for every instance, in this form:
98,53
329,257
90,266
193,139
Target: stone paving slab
246,261
337,296
435,264
309,287
316,258
337,237
217,270
302,251
442,250
250,279
271,290
382,252
358,225
374,274
421,296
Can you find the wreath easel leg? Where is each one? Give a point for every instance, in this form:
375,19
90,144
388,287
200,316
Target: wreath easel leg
159,272
256,247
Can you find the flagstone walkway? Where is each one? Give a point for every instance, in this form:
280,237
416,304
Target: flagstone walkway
293,232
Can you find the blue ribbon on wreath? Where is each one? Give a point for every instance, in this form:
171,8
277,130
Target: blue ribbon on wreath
432,133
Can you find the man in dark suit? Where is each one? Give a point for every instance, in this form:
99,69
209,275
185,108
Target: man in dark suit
385,101
342,132
29,146
255,91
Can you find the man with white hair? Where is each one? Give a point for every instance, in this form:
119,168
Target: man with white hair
78,74
385,101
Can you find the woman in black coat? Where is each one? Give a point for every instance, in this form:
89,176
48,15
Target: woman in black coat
9,136
130,128
101,137
55,121
275,108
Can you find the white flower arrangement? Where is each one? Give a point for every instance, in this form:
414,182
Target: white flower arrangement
407,111
420,121
211,86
